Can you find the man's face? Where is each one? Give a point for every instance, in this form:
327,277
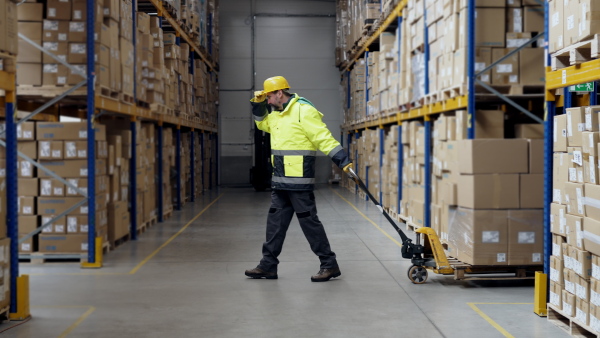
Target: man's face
276,99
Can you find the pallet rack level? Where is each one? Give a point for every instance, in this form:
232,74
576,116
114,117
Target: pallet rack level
102,105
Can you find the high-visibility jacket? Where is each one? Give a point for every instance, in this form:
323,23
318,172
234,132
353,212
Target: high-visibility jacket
297,133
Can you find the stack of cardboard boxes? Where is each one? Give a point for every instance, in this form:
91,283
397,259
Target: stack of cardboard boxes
575,216
167,167
571,21
8,30
396,71
62,148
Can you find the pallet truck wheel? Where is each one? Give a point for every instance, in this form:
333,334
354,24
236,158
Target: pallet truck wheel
417,274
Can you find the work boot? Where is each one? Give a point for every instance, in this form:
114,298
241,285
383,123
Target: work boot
326,274
258,273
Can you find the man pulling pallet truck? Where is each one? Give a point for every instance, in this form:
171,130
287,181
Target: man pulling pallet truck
297,132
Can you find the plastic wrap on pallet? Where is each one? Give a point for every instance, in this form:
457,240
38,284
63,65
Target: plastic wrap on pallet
418,75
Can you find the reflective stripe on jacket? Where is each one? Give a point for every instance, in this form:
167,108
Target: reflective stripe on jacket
297,133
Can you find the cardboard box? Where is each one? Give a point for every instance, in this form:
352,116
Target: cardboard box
489,124
54,74
58,9
574,230
532,71
66,168
588,19
560,133
525,237
575,126
488,191
29,245
556,25
591,230
556,292
529,131
582,262
28,224
118,220
582,311
506,72
68,131
51,187
557,243
55,31
490,27
514,19
556,268
574,193
50,150
63,243
533,19
558,221
75,149
592,201
56,227
28,186
29,11
29,74
531,191
480,236
26,205
10,41
493,156
536,156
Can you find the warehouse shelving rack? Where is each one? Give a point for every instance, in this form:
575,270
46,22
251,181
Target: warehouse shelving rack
101,105
426,111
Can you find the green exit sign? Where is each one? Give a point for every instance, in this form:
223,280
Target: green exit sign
582,87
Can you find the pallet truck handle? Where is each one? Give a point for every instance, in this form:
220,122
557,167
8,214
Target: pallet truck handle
363,187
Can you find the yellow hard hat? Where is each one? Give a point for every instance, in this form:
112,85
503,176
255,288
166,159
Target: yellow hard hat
275,83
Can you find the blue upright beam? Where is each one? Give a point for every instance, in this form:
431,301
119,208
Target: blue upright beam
356,159
400,167
201,134
568,101
366,83
426,44
427,208
178,166
12,200
471,68
216,144
594,95
192,166
381,152
548,165
91,138
160,173
133,181
399,38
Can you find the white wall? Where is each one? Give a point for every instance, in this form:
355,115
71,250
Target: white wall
300,47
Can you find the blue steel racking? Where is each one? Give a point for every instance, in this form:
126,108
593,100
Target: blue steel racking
426,111
100,105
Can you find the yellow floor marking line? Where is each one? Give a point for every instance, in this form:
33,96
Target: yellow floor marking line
79,321
368,219
134,270
490,320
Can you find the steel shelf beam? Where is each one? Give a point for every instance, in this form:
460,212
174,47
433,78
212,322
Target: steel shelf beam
570,76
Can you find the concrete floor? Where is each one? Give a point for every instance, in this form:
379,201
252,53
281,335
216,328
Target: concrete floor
185,278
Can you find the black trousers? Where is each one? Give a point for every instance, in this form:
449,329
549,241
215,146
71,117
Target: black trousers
283,205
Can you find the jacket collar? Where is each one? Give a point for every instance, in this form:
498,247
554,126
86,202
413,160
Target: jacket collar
291,101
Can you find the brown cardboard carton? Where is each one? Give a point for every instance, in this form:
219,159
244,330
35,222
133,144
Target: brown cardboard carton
556,24
592,201
556,292
29,74
68,131
574,193
56,227
29,11
54,74
588,20
560,176
575,126
591,118
12,40
27,205
51,187
536,156
66,168
55,31
570,23
28,245
58,9
582,262
514,19
63,243
493,156
556,268
488,191
50,150
533,19
28,148
525,237
531,191
573,230
506,72
490,26
557,244
591,230
560,133
582,311
532,72
28,186
558,221
28,224
75,149
58,205
529,131
480,236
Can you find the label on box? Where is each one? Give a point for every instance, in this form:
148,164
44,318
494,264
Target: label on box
536,257
580,176
83,172
563,220
58,191
505,68
77,26
579,200
46,188
27,210
490,236
572,175
56,153
594,323
83,134
82,153
78,48
47,229
84,247
51,12
594,298
513,79
596,272
556,249
556,196
554,299
577,157
84,228
25,247
580,315
580,291
570,286
84,210
59,228
570,22
501,257
526,237
554,276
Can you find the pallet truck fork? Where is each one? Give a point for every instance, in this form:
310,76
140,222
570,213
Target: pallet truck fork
427,256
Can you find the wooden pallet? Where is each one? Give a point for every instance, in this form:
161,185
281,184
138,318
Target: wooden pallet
452,92
8,62
170,9
158,108
127,99
48,91
464,271
117,242
108,93
576,54
568,324
143,104
54,257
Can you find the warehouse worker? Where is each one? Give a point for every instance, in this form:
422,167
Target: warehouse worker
297,132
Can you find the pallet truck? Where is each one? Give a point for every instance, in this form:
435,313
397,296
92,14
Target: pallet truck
427,256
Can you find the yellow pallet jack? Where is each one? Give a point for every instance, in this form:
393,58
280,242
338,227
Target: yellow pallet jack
427,256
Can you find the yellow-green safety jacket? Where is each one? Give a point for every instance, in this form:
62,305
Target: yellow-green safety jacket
297,133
